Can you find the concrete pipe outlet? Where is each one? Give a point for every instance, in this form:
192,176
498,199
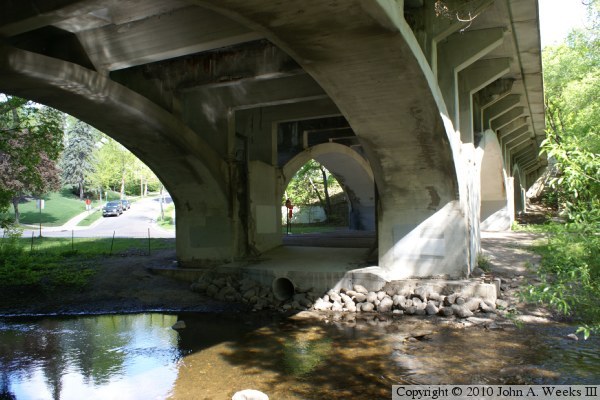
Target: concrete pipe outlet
283,288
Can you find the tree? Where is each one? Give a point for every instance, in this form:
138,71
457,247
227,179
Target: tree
572,84
312,183
78,158
30,144
570,268
114,166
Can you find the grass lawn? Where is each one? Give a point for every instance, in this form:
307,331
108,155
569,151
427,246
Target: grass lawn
168,222
58,209
92,246
42,265
310,228
91,218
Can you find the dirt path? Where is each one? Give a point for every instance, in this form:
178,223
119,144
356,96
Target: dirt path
515,265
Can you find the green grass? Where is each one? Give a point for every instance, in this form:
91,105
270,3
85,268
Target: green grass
310,228
570,274
167,222
58,209
91,218
93,246
43,265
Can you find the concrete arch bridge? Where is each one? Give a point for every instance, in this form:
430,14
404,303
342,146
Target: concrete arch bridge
439,116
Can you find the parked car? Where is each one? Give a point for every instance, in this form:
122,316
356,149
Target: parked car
126,204
112,208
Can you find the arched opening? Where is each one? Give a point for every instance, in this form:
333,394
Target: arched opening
65,173
316,199
353,174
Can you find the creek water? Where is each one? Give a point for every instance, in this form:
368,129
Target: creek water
139,356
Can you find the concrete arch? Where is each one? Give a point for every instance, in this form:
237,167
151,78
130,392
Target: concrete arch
400,117
190,169
352,171
494,211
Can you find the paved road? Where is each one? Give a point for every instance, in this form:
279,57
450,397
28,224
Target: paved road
134,222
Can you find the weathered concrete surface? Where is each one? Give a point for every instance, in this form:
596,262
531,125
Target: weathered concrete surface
218,108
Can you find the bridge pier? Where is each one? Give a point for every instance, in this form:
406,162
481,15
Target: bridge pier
431,123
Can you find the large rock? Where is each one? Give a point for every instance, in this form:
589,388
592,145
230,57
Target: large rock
421,292
336,306
196,287
461,311
360,289
334,296
179,325
473,303
431,308
398,300
372,297
212,290
322,305
486,306
249,394
360,297
446,311
385,305
249,293
450,299
366,307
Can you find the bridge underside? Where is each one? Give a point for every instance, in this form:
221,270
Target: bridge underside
225,99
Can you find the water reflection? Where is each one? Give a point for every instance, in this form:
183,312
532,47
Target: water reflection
141,357
99,357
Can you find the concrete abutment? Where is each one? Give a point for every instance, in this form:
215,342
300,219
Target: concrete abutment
431,130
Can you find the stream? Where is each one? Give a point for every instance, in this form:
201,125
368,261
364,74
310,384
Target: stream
139,356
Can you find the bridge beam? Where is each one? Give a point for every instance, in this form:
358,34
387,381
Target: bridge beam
472,79
456,53
498,108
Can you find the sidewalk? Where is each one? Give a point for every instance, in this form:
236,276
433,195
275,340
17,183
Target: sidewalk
70,224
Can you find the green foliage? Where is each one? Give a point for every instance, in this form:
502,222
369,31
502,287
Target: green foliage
570,276
570,270
78,158
30,143
311,185
483,262
49,264
167,222
117,169
38,271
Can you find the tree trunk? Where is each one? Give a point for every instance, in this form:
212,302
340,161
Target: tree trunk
122,187
327,198
80,190
15,201
162,210
319,196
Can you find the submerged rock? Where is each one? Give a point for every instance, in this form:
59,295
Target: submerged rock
179,325
250,394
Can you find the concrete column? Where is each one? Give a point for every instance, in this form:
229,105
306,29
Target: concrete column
415,243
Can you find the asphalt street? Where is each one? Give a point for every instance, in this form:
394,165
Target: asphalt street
135,222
